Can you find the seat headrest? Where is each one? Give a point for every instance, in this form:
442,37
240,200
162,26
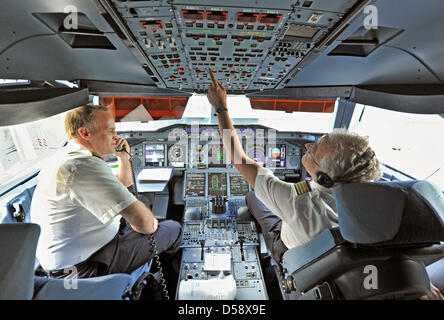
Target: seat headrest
390,213
17,256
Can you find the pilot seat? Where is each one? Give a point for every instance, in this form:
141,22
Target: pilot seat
19,242
388,233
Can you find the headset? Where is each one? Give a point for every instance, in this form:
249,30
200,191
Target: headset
325,180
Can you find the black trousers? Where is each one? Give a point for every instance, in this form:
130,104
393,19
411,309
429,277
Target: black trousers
127,251
270,224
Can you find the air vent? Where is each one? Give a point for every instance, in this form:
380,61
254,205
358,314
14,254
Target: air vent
363,42
85,35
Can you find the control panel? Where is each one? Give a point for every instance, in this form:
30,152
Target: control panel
185,147
250,46
213,194
218,232
244,266
211,230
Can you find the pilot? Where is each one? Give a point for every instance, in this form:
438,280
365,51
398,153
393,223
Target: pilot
91,225
290,214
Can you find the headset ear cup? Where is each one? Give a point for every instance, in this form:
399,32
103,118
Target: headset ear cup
324,179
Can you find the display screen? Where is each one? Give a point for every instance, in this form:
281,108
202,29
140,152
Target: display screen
177,155
257,153
277,156
195,185
238,185
154,155
217,184
216,156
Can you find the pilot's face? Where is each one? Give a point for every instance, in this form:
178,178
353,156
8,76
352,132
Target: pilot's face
315,153
105,138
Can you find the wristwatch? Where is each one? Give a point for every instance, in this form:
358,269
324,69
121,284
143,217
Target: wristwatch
221,110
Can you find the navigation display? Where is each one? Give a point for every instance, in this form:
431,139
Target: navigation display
217,184
177,155
238,185
216,156
257,153
195,185
277,156
154,155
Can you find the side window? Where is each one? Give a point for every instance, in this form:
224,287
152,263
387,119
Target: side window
410,143
24,147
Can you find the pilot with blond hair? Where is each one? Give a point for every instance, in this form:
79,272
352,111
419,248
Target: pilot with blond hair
79,204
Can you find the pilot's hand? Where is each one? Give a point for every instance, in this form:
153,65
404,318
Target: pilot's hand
217,95
434,294
122,143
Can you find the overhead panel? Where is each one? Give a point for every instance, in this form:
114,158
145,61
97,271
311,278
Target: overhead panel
250,48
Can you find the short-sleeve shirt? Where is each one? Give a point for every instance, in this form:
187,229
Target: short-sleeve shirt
304,215
77,204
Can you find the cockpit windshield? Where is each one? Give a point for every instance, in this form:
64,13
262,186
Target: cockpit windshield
199,109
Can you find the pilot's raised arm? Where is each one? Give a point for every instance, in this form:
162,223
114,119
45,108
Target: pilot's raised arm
293,214
217,96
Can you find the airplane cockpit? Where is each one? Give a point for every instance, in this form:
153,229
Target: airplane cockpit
293,70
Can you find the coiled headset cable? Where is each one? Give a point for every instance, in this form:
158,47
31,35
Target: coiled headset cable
150,236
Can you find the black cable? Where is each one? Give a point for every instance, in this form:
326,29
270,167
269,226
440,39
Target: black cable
150,236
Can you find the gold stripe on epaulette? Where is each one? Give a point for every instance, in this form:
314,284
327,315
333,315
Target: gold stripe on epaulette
302,187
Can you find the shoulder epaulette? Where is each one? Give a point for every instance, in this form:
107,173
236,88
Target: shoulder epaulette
302,187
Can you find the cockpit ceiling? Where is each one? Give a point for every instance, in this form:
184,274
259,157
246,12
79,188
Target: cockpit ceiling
261,49
170,44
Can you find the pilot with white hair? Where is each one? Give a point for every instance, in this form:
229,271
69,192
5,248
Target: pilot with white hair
290,214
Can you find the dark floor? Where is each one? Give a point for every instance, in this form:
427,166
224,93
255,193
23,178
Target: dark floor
271,280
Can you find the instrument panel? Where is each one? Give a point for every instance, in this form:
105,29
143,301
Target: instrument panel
187,147
213,184
213,193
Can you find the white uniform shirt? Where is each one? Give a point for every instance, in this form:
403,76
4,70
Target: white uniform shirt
77,204
303,216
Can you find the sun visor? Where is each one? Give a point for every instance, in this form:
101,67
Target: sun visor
146,108
21,104
290,106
